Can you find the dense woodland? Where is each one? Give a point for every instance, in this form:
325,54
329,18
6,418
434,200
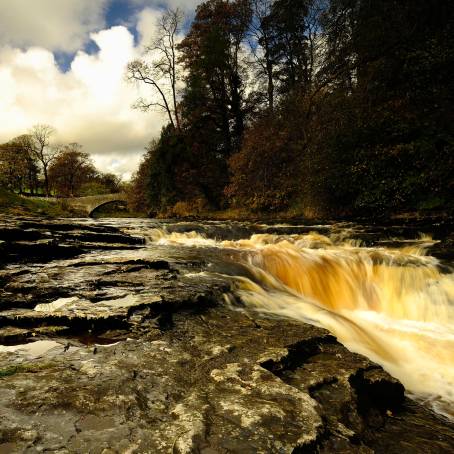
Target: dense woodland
33,164
312,107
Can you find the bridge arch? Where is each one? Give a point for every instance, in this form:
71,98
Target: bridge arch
90,204
103,204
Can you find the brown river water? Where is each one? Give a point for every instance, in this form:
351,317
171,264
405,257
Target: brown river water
383,296
386,292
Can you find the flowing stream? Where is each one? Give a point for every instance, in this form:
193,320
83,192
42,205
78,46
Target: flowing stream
392,302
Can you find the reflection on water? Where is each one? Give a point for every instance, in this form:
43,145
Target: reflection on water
392,304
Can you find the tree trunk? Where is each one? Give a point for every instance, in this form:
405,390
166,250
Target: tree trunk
46,181
174,87
269,70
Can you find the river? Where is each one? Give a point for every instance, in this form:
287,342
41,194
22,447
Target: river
384,291
391,301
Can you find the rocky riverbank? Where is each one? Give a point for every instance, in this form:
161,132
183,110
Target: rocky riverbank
112,345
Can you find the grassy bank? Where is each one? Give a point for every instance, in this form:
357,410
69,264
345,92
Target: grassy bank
15,205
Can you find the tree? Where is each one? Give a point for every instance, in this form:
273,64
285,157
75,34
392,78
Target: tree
137,192
261,37
70,169
111,183
352,108
24,145
290,43
101,183
42,150
159,67
13,168
211,55
265,172
18,167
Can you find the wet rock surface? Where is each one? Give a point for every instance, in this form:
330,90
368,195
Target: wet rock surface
29,240
120,347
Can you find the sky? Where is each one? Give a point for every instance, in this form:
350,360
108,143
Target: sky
62,63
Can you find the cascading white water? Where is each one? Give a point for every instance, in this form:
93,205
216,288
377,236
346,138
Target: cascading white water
393,305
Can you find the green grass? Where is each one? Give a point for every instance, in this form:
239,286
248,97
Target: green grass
12,204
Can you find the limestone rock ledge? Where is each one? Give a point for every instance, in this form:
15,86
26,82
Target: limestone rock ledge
210,382
143,355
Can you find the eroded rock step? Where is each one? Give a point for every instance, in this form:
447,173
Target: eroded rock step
43,241
148,359
212,381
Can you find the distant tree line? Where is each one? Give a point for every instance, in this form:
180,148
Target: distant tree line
32,164
325,107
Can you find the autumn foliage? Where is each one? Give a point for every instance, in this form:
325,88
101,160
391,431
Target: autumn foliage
328,108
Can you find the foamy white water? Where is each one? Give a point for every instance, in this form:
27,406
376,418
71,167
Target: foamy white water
394,306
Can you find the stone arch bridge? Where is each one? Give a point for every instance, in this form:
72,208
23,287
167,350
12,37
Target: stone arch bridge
90,204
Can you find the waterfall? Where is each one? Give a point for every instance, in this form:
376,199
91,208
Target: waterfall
393,305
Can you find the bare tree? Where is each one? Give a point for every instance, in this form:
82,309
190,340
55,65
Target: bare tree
159,67
42,150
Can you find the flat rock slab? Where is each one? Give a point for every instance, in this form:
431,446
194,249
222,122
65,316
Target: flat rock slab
43,241
135,351
214,382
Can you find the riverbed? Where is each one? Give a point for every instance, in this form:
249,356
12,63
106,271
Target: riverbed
161,336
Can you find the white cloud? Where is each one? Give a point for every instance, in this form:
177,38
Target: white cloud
89,104
146,25
58,25
120,163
